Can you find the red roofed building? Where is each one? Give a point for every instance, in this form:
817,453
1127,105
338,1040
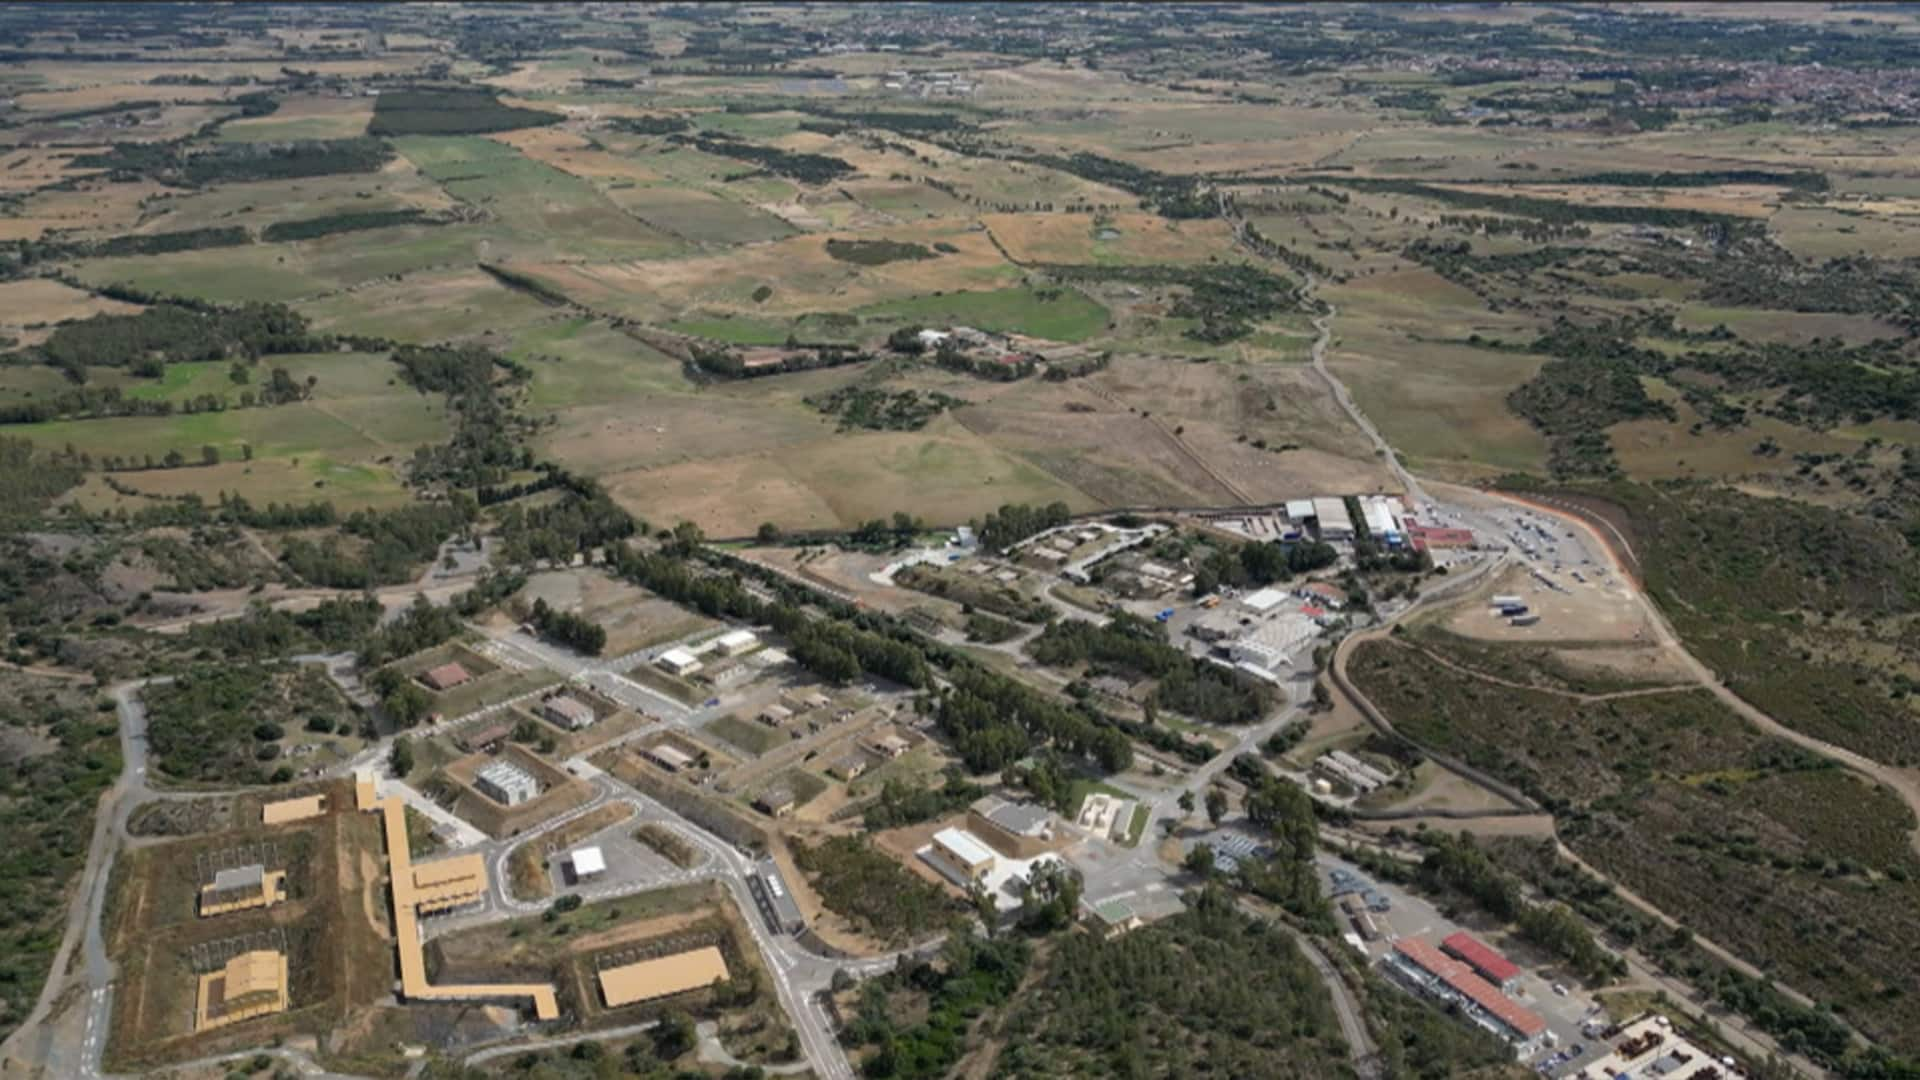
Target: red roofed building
1522,1025
1480,956
445,677
1423,537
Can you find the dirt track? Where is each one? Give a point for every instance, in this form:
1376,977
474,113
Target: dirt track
1902,782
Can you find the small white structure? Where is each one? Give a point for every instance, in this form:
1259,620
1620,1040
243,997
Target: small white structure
735,642
963,859
506,783
1299,510
933,339
679,662
587,863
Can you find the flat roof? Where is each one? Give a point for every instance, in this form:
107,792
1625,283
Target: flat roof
963,846
669,752
661,976
1264,599
503,773
588,860
240,877
678,657
1332,513
1482,956
737,637
279,813
1020,818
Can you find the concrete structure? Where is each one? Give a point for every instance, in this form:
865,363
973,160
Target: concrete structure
736,642
775,802
242,888
849,767
961,857
663,975
1299,511
287,811
249,985
1335,522
445,879
568,712
669,757
506,783
445,677
775,715
1432,972
587,862
1483,959
678,662
1018,830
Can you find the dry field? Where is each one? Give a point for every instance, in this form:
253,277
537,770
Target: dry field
43,302
1115,238
95,209
1586,613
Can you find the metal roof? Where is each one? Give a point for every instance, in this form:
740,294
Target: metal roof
963,846
1483,957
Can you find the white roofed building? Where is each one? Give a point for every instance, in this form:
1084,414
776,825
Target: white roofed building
1335,522
1299,510
1263,601
679,661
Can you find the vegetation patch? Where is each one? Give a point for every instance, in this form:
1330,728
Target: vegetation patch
872,891
450,111
877,252
873,408
227,724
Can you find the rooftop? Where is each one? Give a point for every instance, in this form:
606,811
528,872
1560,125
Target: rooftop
445,676
964,846
588,860
289,810
1483,957
572,708
649,979
240,877
1019,818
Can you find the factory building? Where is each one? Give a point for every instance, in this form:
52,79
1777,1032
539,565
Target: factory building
661,976
1335,522
249,985
961,857
1434,973
1485,961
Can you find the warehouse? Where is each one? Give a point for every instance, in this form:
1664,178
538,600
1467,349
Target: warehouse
1487,963
1263,601
1381,515
661,976
1299,511
506,783
1267,645
1438,975
287,811
1021,830
1335,522
241,888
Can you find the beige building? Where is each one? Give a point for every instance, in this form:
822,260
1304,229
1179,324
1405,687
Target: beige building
661,976
775,802
445,677
287,811
251,984
960,856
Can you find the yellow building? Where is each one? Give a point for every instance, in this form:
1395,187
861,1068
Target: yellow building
242,888
251,984
287,811
661,976
435,886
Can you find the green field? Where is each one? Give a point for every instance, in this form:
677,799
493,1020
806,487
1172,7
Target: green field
539,206
1055,314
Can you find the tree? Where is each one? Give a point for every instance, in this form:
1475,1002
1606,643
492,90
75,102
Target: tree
401,757
1199,861
675,1035
209,455
768,533
407,705
1186,802
1216,805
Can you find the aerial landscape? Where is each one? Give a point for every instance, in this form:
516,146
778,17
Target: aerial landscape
979,540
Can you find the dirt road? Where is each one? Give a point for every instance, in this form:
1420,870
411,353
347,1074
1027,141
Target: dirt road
1902,782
